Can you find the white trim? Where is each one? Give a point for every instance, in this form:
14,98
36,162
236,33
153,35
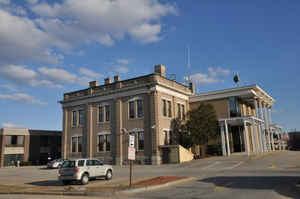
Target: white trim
135,99
165,98
165,129
169,92
104,133
135,130
76,135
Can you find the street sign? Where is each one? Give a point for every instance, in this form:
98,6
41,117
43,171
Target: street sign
131,141
131,153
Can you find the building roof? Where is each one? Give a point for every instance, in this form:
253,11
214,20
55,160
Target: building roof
250,92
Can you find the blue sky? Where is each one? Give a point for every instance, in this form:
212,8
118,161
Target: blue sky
48,48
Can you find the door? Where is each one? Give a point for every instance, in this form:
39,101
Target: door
90,165
99,168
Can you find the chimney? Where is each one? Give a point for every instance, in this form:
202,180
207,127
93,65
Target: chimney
93,84
107,81
117,78
160,70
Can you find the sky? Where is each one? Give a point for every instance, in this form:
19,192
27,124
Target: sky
48,48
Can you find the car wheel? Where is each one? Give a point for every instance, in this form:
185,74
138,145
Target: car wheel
108,175
66,182
84,179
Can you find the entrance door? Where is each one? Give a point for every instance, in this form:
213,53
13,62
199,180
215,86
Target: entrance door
237,137
165,155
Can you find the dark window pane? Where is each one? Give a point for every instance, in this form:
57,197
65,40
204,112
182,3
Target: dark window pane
79,143
100,113
107,113
169,109
74,142
81,118
80,163
74,118
89,163
13,139
178,111
107,142
140,108
101,143
131,110
141,141
164,107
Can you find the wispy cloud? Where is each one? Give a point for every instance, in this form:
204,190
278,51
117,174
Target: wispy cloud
10,125
22,97
123,61
89,73
214,75
121,69
9,87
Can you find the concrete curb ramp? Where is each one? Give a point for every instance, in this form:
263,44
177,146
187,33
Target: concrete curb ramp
103,194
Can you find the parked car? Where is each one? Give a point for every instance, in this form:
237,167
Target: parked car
54,164
83,170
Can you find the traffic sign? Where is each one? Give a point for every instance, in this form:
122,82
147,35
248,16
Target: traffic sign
131,153
131,140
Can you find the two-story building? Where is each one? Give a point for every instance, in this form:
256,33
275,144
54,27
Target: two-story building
98,120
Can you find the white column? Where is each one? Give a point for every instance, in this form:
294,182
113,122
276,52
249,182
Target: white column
259,127
262,126
267,127
254,142
227,138
223,140
247,138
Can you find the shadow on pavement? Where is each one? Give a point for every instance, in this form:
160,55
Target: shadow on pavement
284,185
46,183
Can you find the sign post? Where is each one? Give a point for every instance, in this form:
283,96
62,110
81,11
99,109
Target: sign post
131,156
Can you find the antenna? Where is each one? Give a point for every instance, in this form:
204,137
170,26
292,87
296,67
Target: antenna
236,79
188,78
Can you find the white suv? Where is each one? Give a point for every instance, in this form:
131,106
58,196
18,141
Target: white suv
82,170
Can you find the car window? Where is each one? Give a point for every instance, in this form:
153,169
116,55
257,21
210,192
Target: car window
97,162
68,164
89,163
80,163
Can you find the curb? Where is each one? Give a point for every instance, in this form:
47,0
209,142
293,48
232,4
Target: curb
128,191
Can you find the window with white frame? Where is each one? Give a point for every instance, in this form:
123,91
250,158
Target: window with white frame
76,144
140,142
74,118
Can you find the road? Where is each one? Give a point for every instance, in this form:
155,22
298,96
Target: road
270,177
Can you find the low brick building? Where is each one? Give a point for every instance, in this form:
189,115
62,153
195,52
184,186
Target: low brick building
26,145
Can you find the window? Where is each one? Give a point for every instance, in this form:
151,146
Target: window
169,109
74,118
234,106
140,108
80,117
100,114
164,107
80,163
79,144
107,112
141,141
131,110
74,144
89,163
107,143
178,111
104,142
101,143
14,140
183,111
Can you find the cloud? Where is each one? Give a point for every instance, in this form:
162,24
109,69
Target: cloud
9,125
89,73
213,76
121,69
9,87
123,61
103,21
22,41
22,97
58,75
218,71
23,75
5,2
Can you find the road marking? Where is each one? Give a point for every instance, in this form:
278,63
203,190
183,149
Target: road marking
234,166
211,165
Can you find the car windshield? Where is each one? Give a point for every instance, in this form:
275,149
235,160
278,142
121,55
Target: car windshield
68,164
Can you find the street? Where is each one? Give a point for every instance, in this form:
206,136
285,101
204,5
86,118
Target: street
272,176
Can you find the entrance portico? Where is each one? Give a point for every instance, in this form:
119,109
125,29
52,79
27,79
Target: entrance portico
246,135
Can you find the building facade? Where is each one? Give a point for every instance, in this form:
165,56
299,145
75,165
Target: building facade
98,120
26,145
244,115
